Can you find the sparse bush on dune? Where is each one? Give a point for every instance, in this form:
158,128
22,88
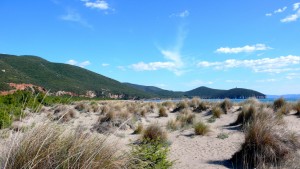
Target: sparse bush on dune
194,103
202,106
250,101
81,106
268,143
279,103
143,112
226,105
181,105
201,128
247,114
104,109
163,112
51,146
186,119
173,125
63,113
139,129
217,112
296,107
169,105
284,110
154,132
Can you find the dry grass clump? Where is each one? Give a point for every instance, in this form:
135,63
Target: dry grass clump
201,128
50,146
186,119
173,125
268,143
139,129
154,132
296,107
246,115
163,112
279,103
181,105
81,106
63,113
226,105
169,105
104,109
250,101
284,110
194,103
217,112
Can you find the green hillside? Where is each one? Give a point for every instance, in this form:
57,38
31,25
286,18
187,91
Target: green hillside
60,77
239,93
158,92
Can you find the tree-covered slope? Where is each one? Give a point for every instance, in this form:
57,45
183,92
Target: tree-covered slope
60,77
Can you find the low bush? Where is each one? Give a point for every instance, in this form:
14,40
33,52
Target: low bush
279,103
217,112
150,154
139,129
154,132
201,128
226,105
163,112
267,144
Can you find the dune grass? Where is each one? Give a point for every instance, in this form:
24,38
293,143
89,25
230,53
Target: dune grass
201,128
267,144
52,146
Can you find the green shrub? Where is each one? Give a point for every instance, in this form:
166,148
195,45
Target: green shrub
151,154
201,128
222,136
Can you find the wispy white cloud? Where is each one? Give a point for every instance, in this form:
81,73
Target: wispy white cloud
296,6
244,49
80,64
268,65
266,80
73,16
104,64
182,14
269,14
173,57
280,10
291,76
122,68
98,4
291,18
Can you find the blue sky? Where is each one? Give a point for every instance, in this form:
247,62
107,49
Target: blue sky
175,45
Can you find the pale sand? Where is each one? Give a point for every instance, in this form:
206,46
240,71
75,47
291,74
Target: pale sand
187,150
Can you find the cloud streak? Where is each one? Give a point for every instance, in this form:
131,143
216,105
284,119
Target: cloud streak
80,64
173,57
98,4
182,14
244,49
268,65
74,16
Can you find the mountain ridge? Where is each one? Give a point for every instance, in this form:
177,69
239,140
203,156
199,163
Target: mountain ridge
65,79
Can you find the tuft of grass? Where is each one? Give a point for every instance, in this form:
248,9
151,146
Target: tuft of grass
279,103
201,107
154,132
296,107
212,119
81,106
226,105
163,112
222,136
186,119
217,112
194,103
52,146
181,105
247,114
139,129
267,144
284,110
173,125
201,128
